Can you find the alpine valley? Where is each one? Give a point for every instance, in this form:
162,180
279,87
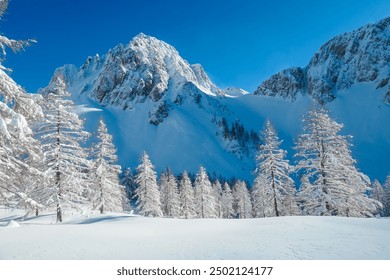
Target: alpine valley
155,101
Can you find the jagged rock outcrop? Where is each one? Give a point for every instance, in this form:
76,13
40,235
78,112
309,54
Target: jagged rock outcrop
359,56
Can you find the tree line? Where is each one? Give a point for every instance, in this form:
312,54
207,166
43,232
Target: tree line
329,182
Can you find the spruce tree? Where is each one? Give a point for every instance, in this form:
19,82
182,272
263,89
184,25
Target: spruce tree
204,199
169,195
242,201
378,193
335,186
217,193
147,193
386,198
128,181
273,189
61,133
20,154
108,194
227,202
187,204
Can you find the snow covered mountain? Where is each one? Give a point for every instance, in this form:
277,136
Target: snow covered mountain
350,74
155,101
360,56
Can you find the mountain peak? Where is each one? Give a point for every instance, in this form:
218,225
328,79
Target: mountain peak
360,56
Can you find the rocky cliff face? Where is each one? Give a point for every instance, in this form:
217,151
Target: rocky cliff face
354,57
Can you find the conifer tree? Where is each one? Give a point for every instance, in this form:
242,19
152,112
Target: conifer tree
335,186
378,193
273,189
128,181
147,193
242,201
108,194
20,154
227,202
61,133
386,199
217,193
187,204
204,199
169,195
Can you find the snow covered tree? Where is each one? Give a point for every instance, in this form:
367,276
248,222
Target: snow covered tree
227,202
14,45
19,152
187,204
108,194
263,198
169,195
217,193
386,199
378,193
61,133
204,199
335,186
128,181
242,201
147,193
273,189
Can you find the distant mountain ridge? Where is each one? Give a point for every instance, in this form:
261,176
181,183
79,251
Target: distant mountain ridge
359,56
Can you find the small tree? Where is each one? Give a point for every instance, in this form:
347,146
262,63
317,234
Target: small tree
128,181
242,201
386,199
108,194
169,194
187,204
217,193
227,202
204,199
147,193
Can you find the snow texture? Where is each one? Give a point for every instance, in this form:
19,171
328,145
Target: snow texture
123,236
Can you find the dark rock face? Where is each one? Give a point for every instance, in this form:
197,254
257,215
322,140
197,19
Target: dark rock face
354,57
286,84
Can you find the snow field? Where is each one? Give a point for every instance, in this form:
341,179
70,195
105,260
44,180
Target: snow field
124,236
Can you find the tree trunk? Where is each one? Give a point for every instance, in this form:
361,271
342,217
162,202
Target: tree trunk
59,213
274,189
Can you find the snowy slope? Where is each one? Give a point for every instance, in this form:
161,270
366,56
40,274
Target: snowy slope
123,236
155,101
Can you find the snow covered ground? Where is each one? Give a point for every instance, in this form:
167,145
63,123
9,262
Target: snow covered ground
124,236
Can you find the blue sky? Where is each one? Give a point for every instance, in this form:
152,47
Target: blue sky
239,43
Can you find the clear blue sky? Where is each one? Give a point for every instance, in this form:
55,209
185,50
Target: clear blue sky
239,43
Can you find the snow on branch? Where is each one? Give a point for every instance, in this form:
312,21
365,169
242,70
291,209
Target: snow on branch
14,45
3,6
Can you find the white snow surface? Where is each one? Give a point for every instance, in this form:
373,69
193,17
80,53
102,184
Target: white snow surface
125,236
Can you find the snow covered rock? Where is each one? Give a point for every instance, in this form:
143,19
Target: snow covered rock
235,92
146,68
354,57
